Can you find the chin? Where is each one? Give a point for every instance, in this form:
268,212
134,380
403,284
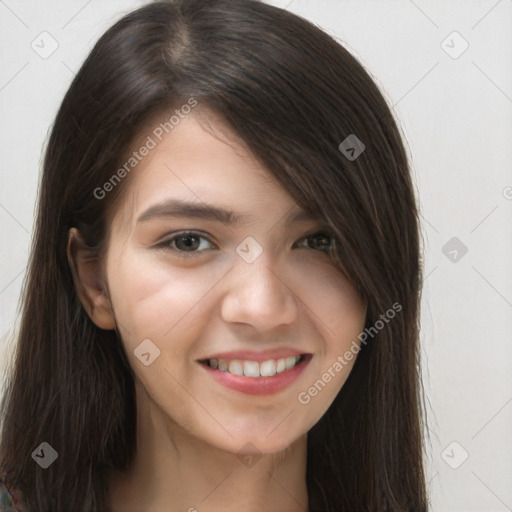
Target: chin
257,444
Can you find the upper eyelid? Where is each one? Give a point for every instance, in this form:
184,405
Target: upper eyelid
171,237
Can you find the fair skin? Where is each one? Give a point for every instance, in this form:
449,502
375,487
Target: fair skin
201,445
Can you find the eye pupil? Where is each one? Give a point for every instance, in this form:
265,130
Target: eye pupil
324,241
188,244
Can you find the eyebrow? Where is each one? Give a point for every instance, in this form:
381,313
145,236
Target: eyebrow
181,208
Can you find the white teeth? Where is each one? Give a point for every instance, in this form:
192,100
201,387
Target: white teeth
235,367
280,365
268,368
253,368
290,362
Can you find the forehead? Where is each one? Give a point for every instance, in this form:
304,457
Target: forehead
201,168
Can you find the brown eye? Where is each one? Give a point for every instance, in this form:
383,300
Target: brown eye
184,242
320,241
187,243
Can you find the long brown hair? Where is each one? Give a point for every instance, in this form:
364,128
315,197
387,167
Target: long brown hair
293,94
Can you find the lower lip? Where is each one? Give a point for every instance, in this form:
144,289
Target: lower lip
258,385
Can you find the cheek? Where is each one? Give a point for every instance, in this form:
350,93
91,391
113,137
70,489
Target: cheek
350,320
151,300
336,305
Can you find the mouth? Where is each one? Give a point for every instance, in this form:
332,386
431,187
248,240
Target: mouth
255,369
256,377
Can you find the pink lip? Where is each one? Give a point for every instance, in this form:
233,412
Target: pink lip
246,355
258,385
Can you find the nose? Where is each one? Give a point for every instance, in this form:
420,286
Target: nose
259,294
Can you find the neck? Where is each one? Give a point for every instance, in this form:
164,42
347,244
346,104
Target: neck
173,471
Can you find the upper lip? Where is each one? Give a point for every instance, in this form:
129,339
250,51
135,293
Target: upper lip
247,355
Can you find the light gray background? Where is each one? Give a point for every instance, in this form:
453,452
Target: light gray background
457,122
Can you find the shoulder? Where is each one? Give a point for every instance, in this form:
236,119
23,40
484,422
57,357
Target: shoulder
9,499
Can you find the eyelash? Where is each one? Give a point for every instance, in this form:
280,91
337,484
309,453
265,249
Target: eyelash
167,244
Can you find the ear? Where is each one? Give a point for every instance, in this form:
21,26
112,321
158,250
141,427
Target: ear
89,284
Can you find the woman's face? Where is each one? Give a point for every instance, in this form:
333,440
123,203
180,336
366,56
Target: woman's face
252,292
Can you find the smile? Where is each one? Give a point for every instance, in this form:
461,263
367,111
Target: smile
253,368
256,378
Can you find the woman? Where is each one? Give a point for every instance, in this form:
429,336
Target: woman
221,308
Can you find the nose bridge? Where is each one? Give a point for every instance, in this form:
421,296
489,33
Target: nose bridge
258,292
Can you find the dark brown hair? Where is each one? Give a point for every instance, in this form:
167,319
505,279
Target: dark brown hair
292,93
